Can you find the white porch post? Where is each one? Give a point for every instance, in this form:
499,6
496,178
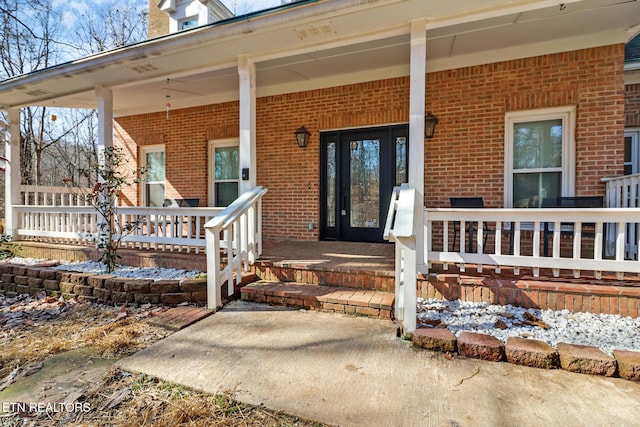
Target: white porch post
416,126
105,117
12,173
247,73
415,255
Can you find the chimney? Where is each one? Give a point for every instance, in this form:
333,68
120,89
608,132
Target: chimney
158,20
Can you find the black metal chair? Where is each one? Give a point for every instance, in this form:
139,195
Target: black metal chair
468,203
181,203
569,203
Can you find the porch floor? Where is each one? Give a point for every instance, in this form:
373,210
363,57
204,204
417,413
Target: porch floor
330,256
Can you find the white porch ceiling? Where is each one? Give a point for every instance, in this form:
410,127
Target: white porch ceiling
321,44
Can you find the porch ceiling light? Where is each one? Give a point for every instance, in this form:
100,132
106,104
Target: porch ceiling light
430,122
302,136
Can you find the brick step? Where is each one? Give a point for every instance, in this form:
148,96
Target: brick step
319,297
179,318
314,275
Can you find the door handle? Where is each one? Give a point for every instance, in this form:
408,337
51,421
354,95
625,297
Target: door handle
343,211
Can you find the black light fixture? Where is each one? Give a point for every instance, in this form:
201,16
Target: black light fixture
302,136
430,122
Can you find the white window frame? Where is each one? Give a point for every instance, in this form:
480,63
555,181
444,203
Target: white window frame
634,134
568,116
182,21
144,150
220,143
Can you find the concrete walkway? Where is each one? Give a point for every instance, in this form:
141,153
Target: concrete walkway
352,371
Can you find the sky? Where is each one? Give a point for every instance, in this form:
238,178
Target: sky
75,8
240,7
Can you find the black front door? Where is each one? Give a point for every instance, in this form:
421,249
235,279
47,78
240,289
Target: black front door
358,171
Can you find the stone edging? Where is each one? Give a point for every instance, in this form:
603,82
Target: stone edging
533,353
100,288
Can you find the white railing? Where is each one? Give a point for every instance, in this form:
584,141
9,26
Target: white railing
399,229
34,195
577,239
64,224
180,229
624,192
237,230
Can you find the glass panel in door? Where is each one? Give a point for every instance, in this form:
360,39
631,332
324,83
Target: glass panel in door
331,182
365,183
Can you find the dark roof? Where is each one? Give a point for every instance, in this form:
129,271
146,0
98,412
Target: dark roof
632,50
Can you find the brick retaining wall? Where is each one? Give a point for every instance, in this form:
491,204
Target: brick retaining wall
101,288
583,295
533,353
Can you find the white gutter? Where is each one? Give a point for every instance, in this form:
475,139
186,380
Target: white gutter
199,35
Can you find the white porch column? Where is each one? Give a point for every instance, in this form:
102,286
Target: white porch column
247,73
105,117
416,127
414,245
12,178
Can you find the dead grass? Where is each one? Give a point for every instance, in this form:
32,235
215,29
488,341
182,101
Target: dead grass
120,399
155,403
84,326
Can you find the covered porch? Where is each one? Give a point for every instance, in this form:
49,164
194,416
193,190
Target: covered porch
334,67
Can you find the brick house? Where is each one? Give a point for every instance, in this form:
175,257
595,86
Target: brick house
533,101
470,101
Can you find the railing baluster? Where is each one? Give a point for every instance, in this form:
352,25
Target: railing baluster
577,246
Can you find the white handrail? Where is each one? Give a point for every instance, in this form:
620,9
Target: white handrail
399,229
239,226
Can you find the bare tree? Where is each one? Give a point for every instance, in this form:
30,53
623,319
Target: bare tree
108,28
72,152
28,37
31,38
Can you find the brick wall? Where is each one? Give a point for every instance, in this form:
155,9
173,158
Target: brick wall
292,174
466,157
185,135
632,105
158,21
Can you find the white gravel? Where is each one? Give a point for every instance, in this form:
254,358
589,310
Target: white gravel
606,331
121,271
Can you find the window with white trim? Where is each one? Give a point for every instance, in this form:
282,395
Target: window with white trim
224,160
631,151
153,161
539,155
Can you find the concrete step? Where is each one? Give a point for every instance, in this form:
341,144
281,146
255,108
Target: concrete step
318,297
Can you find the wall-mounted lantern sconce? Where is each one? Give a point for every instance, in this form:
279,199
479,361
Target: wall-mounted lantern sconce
302,136
430,122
